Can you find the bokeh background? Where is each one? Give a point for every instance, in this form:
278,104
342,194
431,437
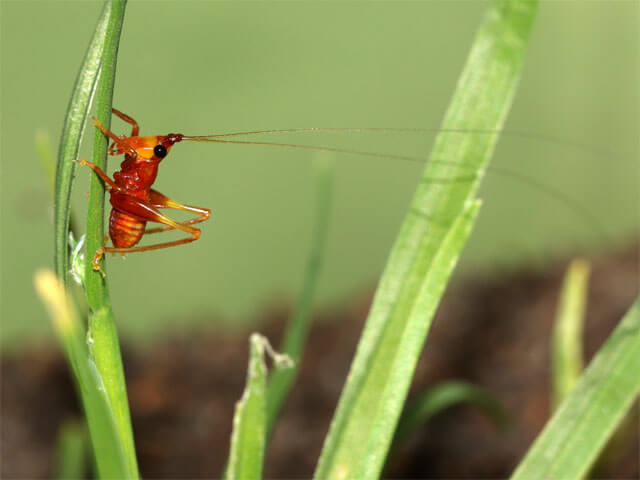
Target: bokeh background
202,67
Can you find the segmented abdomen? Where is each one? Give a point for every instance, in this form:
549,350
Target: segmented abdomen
125,230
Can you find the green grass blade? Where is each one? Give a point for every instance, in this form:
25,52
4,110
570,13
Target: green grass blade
110,456
97,292
74,124
581,426
426,249
102,335
567,357
71,451
248,440
296,334
362,446
443,396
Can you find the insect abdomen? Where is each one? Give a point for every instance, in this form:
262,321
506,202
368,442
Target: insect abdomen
125,230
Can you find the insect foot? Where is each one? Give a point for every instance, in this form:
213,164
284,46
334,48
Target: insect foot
96,262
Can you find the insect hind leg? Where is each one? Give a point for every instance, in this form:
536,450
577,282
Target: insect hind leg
148,212
160,200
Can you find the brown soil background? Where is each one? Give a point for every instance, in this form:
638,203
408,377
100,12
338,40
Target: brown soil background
493,333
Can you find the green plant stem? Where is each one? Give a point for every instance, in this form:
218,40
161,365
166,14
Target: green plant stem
102,335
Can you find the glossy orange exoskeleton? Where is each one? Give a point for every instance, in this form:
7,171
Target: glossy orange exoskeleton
133,200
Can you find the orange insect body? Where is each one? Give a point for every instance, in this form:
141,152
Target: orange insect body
136,176
133,200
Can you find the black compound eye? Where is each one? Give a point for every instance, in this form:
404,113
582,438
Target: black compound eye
160,151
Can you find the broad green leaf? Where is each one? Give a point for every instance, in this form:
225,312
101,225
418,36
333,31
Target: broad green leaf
426,249
586,419
362,447
567,333
110,455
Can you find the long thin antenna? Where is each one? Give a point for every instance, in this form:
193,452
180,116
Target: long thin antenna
540,137
307,147
576,207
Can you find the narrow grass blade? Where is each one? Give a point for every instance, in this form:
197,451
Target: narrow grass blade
103,335
74,124
426,249
110,457
248,440
296,334
71,452
567,358
580,428
443,396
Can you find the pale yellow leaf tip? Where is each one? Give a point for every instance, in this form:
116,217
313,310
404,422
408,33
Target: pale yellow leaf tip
55,299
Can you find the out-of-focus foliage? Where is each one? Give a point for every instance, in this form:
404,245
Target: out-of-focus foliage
112,459
566,346
586,419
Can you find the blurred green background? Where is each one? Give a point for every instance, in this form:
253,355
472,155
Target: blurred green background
210,67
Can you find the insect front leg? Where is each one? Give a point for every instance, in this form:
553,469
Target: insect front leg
109,183
136,129
119,143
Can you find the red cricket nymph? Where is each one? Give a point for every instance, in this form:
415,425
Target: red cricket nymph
133,200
